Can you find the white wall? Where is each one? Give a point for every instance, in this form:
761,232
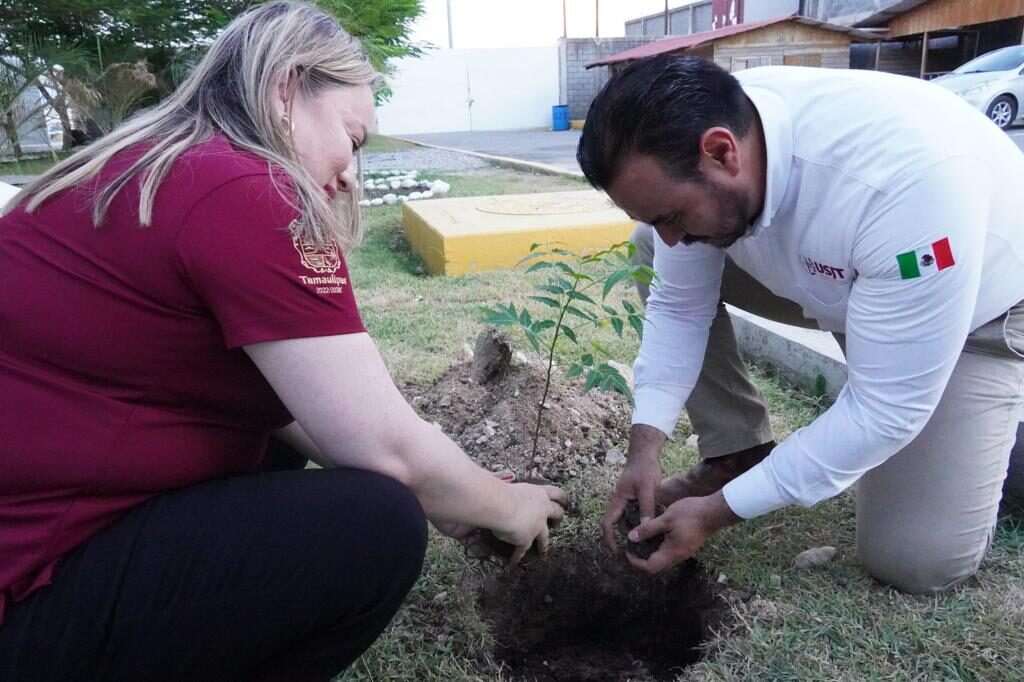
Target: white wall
455,90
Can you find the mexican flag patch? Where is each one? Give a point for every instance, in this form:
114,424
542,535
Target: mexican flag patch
926,260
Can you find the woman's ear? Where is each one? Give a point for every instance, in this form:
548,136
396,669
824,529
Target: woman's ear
283,94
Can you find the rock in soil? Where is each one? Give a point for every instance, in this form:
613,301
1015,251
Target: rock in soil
814,557
492,355
614,457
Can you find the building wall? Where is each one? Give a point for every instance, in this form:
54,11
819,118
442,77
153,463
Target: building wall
582,85
483,89
694,18
844,12
780,44
759,10
939,14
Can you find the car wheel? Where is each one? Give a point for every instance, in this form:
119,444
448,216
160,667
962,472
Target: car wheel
1003,111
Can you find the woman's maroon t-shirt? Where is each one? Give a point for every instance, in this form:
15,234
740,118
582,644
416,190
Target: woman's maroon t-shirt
121,368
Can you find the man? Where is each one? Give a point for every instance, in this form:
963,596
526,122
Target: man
881,208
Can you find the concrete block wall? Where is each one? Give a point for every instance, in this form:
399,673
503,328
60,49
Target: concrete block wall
580,85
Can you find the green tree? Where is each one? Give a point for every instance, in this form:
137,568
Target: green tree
382,26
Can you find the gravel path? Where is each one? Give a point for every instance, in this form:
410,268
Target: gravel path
422,159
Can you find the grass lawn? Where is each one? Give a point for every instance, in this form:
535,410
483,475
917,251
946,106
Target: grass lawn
832,623
383,143
31,166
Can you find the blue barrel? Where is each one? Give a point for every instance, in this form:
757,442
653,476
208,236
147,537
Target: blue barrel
560,117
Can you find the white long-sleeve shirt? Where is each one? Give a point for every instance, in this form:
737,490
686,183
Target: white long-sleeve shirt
869,177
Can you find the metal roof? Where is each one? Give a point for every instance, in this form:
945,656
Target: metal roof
695,40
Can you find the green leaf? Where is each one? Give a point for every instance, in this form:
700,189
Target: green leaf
534,341
612,280
543,265
524,318
569,333
532,256
643,273
588,316
630,308
563,252
637,325
577,296
617,324
599,348
593,380
610,310
541,325
551,289
534,246
500,315
587,359
575,369
550,302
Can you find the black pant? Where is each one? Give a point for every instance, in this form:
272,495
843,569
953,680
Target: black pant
288,575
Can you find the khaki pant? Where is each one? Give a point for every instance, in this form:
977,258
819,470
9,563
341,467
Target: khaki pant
926,516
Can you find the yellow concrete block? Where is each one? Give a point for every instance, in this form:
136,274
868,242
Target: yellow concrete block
475,234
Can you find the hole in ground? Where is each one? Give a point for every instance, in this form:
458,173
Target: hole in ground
584,616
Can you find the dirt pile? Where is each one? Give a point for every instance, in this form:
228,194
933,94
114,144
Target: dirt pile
492,414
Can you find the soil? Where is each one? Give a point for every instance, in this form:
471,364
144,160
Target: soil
647,547
494,420
583,615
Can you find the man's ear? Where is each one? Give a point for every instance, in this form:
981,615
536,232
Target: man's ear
720,152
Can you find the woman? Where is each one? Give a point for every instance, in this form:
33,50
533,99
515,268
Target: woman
172,294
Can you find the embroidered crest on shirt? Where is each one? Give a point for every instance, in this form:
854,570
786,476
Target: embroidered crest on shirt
816,268
321,258
927,260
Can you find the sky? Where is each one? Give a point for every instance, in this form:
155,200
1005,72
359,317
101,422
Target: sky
527,23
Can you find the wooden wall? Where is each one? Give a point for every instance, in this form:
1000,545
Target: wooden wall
772,45
939,14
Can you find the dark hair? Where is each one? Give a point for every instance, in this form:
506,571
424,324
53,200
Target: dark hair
660,106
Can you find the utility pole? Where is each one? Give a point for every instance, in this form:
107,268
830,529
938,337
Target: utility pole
666,17
597,18
450,44
565,21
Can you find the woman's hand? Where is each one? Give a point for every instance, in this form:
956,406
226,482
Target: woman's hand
536,508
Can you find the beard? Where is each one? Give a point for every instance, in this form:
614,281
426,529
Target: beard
733,223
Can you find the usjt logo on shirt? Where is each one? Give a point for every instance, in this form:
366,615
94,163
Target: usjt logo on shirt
927,260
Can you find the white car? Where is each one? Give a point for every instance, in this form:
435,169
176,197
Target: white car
993,83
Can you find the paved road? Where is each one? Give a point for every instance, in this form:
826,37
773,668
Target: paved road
555,148
545,146
1017,135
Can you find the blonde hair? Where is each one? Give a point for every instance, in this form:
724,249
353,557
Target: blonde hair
231,92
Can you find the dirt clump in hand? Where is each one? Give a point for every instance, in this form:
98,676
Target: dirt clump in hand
631,519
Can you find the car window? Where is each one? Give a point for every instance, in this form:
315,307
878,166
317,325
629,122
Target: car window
999,60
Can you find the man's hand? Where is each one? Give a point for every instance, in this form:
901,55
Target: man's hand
686,524
638,481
